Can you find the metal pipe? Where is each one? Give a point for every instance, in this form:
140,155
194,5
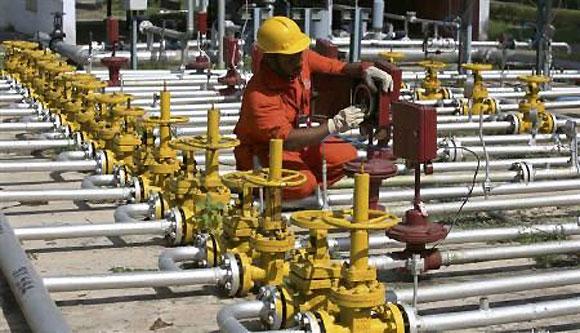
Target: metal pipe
68,194
34,166
10,98
203,276
96,181
28,126
454,178
158,227
502,139
472,126
450,291
35,144
131,212
462,191
444,322
229,317
72,155
456,257
169,258
380,241
221,23
38,308
17,112
545,162
506,203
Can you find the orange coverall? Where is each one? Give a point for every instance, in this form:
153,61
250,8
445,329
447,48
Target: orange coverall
272,107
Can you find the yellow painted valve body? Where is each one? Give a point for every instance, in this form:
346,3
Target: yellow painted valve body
532,112
479,98
431,85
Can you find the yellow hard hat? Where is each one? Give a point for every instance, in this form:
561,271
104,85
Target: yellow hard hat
280,34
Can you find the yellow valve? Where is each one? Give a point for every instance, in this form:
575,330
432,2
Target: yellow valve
478,94
392,56
431,84
358,295
532,115
272,240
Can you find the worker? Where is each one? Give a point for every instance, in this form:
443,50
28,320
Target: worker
277,100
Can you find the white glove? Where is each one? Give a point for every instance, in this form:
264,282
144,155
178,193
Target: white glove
375,73
346,119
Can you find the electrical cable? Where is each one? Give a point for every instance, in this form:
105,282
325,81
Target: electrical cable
455,218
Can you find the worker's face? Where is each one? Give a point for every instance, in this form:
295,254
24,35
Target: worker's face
288,65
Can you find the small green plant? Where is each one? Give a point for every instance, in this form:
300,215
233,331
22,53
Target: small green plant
210,214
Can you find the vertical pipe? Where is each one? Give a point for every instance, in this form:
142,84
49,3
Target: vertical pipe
221,32
38,308
360,241
355,36
378,15
275,159
134,59
190,10
213,138
165,114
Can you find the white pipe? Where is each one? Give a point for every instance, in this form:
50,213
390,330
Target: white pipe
169,258
72,155
158,227
35,144
38,308
507,285
96,181
68,194
17,112
229,317
204,276
28,126
131,212
34,166
444,322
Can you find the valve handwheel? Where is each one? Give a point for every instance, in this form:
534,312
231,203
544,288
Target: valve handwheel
392,56
378,220
289,178
202,142
156,120
432,64
537,79
134,112
312,219
477,67
236,180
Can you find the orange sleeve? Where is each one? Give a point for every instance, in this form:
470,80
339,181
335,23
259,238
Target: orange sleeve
266,117
321,64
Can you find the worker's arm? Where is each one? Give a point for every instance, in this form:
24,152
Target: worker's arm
346,119
300,138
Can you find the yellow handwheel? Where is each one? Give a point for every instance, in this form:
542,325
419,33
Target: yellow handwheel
201,142
156,120
113,98
392,56
312,219
132,112
289,178
477,67
378,220
87,85
537,79
236,180
432,65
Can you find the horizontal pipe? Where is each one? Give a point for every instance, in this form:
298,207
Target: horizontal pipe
10,98
450,291
169,258
35,144
491,204
67,194
35,166
203,276
17,112
131,212
96,181
28,126
38,308
158,227
462,191
230,318
455,257
544,162
444,322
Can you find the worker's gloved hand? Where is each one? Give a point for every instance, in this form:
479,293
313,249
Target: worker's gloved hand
373,73
346,119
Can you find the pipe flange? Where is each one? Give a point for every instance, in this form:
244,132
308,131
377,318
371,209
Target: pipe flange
515,120
201,242
270,295
450,146
144,26
232,282
411,315
309,322
175,235
101,160
525,171
138,186
121,176
154,203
